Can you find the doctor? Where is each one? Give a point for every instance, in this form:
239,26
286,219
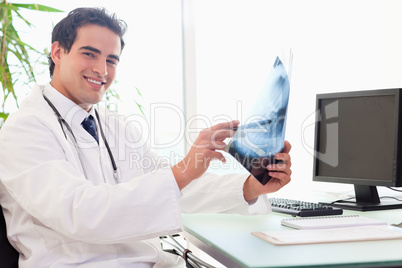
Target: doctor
72,195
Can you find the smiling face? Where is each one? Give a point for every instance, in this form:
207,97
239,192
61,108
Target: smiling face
85,73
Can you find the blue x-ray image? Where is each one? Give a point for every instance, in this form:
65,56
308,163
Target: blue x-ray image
263,134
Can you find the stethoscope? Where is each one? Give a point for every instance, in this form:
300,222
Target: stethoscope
67,126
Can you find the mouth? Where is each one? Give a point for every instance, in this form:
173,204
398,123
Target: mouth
95,81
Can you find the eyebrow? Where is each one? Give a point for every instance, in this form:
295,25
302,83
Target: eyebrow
95,50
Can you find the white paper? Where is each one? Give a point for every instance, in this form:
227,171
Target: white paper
360,233
326,222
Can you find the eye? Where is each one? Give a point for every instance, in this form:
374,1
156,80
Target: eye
89,54
112,62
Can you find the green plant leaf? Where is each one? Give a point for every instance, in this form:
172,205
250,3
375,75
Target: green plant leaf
4,115
8,6
23,19
138,91
140,107
37,7
11,44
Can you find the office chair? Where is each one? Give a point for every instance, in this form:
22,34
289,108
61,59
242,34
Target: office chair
8,255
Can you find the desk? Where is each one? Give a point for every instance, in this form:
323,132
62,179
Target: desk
227,238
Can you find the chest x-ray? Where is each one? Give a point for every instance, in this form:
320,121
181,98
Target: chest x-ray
263,134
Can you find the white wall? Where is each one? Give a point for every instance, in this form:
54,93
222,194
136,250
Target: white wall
151,61
339,45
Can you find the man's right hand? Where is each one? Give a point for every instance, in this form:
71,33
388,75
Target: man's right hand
202,152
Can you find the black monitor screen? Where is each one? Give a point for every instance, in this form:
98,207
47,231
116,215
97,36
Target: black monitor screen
366,127
356,138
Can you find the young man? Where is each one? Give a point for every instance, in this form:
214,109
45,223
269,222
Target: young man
70,194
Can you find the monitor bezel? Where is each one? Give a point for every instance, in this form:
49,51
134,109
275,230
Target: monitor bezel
396,179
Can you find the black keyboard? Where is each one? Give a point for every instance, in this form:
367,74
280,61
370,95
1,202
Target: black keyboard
302,208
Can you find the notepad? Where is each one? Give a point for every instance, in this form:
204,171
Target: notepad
333,235
330,222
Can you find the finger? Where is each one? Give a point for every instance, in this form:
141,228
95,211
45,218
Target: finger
286,172
287,147
285,157
222,134
225,125
217,145
282,177
217,155
282,167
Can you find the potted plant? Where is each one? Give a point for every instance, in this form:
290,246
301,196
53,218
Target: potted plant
11,45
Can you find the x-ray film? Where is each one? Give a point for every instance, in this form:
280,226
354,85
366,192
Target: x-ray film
263,135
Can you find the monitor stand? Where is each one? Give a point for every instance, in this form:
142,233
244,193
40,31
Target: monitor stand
367,199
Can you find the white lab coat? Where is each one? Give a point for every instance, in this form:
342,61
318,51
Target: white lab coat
64,208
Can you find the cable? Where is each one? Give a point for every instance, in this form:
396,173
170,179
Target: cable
191,255
381,197
340,200
393,189
185,253
178,251
391,197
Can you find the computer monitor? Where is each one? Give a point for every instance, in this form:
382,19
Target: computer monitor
358,140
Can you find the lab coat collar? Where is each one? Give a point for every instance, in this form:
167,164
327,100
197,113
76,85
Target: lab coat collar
68,109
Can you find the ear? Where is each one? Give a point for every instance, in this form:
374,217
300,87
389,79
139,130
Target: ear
57,52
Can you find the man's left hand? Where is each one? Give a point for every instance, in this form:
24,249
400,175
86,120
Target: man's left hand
279,172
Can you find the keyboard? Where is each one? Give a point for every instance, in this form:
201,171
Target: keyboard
302,208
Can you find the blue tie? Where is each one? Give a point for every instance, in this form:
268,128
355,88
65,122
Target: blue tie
89,125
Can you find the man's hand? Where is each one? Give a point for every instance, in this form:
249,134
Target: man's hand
280,174
203,152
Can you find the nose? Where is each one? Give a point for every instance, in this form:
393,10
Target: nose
100,67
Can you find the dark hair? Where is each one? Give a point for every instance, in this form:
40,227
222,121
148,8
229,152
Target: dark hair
65,31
